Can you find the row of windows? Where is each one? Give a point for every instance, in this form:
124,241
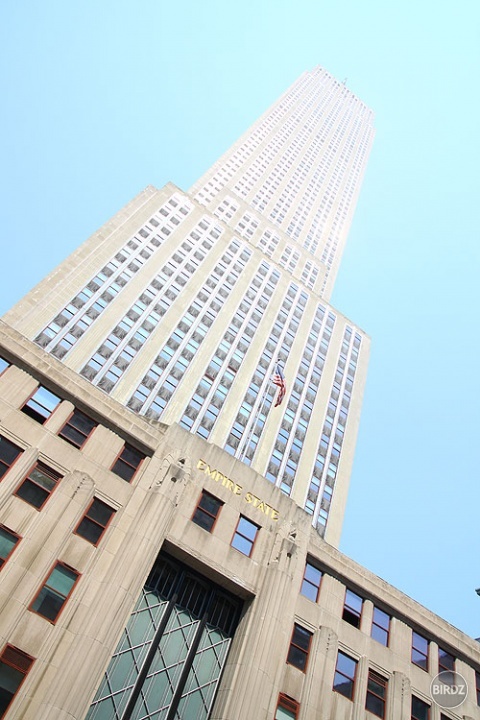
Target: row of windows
206,515
41,405
74,320
345,679
160,382
35,489
381,621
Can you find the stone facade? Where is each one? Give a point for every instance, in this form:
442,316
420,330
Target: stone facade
153,514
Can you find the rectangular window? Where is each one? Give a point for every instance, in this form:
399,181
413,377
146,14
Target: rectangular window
38,485
299,647
8,540
477,686
287,708
207,511
345,672
245,535
95,521
3,365
14,666
77,429
446,662
420,709
419,651
128,462
55,592
380,626
41,404
352,608
311,582
9,452
376,694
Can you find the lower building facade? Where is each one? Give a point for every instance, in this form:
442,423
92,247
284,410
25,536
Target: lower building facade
147,573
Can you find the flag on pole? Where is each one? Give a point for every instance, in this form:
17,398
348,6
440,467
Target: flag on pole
279,380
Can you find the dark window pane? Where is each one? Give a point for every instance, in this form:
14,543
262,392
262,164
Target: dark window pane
100,512
77,429
8,454
37,487
420,709
93,524
375,705
8,540
127,462
32,494
48,603
297,657
10,680
301,638
90,530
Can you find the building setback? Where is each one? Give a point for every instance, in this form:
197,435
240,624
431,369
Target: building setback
167,533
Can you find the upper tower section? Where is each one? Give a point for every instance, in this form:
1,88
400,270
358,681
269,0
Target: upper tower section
300,166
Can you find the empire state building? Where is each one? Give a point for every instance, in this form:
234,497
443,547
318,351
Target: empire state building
184,303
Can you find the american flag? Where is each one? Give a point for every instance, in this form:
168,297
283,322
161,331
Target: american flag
279,379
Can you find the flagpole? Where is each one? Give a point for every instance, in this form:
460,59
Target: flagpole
254,422
261,407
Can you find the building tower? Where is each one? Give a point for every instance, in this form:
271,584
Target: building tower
167,529
182,305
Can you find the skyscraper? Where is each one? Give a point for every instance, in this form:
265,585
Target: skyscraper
183,304
163,511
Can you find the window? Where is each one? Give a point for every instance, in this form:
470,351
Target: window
446,662
419,651
95,521
420,709
128,462
287,708
8,540
55,592
477,686
299,647
38,485
376,694
244,537
311,582
8,454
77,429
380,626
41,404
3,365
352,609
345,672
14,666
206,512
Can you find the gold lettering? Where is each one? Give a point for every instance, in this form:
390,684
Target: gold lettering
212,473
237,490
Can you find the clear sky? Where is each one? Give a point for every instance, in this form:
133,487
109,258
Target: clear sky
104,97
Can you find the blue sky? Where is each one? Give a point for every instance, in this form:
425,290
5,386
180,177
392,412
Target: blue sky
102,98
